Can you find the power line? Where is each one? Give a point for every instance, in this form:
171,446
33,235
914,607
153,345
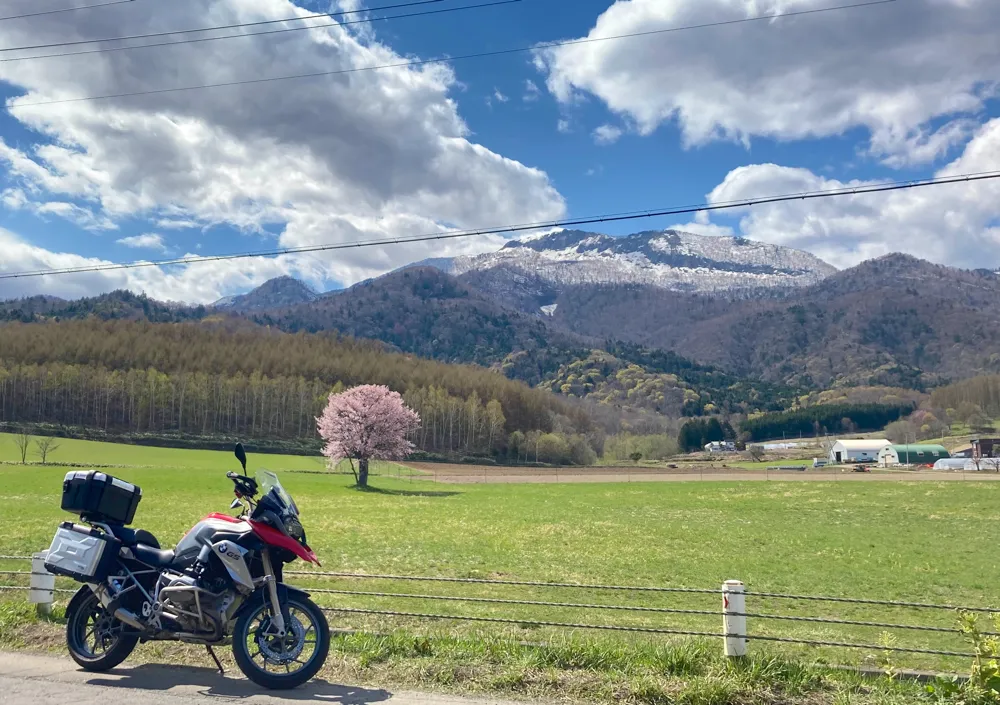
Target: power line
66,9
513,229
424,62
272,31
259,23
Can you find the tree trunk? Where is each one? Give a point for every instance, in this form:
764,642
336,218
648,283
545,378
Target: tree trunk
363,472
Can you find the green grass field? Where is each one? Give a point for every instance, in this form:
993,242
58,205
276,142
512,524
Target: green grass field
112,454
924,542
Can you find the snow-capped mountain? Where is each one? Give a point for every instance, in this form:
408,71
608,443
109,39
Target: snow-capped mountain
669,259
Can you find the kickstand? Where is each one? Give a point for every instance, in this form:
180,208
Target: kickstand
215,658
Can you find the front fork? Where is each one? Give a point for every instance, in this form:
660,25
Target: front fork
277,618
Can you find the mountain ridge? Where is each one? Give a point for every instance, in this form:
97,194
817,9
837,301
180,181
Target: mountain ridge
668,259
274,293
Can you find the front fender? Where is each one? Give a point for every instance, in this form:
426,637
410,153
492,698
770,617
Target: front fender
262,596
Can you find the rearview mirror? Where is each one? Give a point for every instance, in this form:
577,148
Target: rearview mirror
241,455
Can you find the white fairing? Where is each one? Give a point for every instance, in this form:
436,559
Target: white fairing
232,557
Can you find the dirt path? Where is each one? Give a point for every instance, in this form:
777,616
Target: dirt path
479,474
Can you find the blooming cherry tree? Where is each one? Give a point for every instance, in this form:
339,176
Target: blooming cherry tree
366,422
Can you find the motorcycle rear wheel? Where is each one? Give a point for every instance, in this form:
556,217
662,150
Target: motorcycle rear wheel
282,663
96,640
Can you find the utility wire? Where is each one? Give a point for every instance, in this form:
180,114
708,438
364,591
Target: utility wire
66,9
154,35
366,20
512,229
424,62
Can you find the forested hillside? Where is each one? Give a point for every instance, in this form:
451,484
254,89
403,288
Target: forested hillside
192,378
822,419
120,304
982,393
428,313
894,321
632,377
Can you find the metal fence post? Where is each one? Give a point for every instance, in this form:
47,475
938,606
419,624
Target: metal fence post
734,621
43,585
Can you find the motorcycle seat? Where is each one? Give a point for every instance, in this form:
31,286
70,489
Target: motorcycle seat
153,556
131,537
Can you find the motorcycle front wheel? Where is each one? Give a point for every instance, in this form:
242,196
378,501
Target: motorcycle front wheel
96,640
282,662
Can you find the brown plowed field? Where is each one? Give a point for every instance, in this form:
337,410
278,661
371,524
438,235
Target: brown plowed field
474,474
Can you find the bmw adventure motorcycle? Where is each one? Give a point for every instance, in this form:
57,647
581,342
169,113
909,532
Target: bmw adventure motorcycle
221,585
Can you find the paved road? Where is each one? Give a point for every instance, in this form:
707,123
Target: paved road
41,680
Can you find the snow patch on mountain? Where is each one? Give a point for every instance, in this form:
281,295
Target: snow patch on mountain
670,259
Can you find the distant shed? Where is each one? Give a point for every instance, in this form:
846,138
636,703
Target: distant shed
861,450
911,455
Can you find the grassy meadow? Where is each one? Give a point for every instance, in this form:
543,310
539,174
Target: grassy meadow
925,542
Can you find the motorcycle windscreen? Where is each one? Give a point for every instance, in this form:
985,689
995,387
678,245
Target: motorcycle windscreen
273,537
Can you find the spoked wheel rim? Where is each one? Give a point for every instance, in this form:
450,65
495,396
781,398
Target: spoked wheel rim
276,655
94,632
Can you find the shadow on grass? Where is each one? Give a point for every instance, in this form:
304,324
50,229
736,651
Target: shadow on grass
405,493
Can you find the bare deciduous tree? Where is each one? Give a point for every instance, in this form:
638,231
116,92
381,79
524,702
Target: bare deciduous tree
23,442
46,445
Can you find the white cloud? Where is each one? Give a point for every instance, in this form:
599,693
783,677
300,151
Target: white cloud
563,126
954,224
17,199
607,134
531,91
177,224
500,96
360,156
149,241
889,69
201,283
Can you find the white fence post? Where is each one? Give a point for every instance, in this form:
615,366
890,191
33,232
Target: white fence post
734,621
43,585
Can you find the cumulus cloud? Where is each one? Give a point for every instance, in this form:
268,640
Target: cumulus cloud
531,91
607,134
890,69
954,224
149,241
358,156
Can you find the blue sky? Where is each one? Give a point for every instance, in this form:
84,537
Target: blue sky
896,91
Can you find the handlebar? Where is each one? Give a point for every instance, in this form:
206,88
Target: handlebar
245,486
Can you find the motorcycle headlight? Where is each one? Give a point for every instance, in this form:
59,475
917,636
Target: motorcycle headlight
295,530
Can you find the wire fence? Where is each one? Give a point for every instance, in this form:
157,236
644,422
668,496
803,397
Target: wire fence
820,631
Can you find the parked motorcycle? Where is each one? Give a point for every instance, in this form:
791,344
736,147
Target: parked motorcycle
222,584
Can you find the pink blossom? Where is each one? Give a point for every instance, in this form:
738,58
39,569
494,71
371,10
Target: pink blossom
366,422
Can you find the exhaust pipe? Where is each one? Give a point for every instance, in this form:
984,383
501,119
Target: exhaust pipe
130,618
121,614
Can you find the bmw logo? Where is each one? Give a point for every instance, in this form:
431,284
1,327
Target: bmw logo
223,548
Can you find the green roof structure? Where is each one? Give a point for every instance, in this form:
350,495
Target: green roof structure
920,454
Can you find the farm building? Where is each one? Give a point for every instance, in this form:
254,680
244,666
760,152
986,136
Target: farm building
720,447
985,448
857,450
911,455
